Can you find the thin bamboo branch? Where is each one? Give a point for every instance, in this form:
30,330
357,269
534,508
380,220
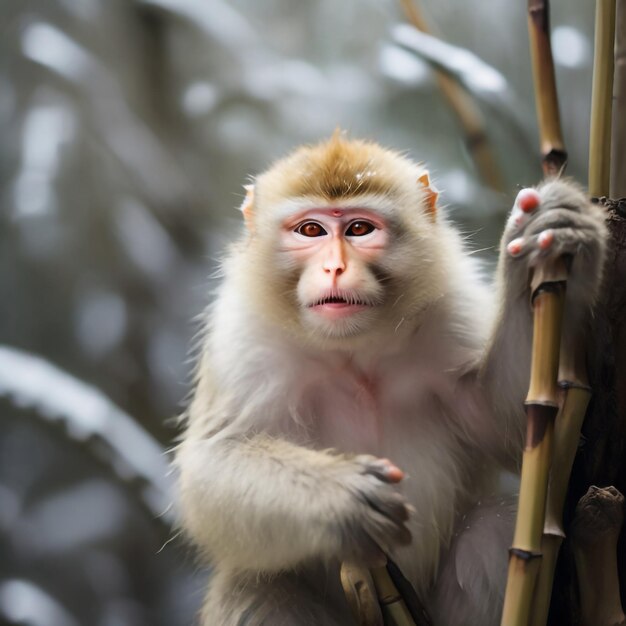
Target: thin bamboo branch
576,395
597,522
546,100
618,135
361,594
466,111
393,607
601,99
554,159
541,407
373,597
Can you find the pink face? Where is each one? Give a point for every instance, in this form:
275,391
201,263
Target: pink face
334,246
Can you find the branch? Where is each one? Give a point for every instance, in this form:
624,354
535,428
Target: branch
466,111
618,138
601,96
546,99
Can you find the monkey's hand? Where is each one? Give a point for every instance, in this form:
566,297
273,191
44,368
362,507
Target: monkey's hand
554,220
371,517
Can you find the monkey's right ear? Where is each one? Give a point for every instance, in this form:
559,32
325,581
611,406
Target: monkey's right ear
432,193
247,206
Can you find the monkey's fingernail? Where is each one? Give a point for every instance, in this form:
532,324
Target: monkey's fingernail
391,472
545,239
528,200
515,246
394,474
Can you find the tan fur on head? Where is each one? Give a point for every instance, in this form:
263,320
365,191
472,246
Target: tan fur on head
343,169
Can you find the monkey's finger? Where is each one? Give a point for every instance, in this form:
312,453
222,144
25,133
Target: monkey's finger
380,526
517,247
387,534
528,200
385,470
545,239
559,218
391,505
541,243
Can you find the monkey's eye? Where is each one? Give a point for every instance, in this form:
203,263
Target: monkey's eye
311,229
358,229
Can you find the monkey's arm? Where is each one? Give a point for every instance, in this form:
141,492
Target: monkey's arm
255,502
557,219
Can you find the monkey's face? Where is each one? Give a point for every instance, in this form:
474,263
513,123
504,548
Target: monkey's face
342,242
336,252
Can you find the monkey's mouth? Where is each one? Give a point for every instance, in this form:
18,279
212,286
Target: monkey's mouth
339,305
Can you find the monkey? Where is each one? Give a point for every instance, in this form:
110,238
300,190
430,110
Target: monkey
360,387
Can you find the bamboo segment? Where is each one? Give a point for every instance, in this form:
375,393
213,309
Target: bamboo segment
618,134
394,609
550,546
567,432
541,408
601,99
595,531
576,395
360,592
546,100
466,111
373,597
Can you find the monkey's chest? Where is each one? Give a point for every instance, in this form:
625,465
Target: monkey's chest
369,414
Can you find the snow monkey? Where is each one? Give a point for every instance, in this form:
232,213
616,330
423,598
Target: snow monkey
360,387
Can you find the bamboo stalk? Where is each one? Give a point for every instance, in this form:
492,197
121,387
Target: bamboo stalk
553,151
554,160
393,607
361,594
601,99
373,597
618,135
576,395
466,111
541,407
595,531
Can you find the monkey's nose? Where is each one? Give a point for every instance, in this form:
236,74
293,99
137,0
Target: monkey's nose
335,271
335,262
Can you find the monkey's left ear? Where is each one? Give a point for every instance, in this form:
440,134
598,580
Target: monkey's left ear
431,194
247,206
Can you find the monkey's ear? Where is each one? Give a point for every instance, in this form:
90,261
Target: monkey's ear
247,206
431,194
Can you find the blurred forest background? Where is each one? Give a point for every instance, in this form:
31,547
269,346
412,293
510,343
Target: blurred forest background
128,128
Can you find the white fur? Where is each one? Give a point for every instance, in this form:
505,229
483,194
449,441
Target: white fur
440,394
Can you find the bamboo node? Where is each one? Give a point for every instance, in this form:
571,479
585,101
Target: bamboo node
553,530
547,287
554,162
473,140
573,384
540,17
541,403
525,555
